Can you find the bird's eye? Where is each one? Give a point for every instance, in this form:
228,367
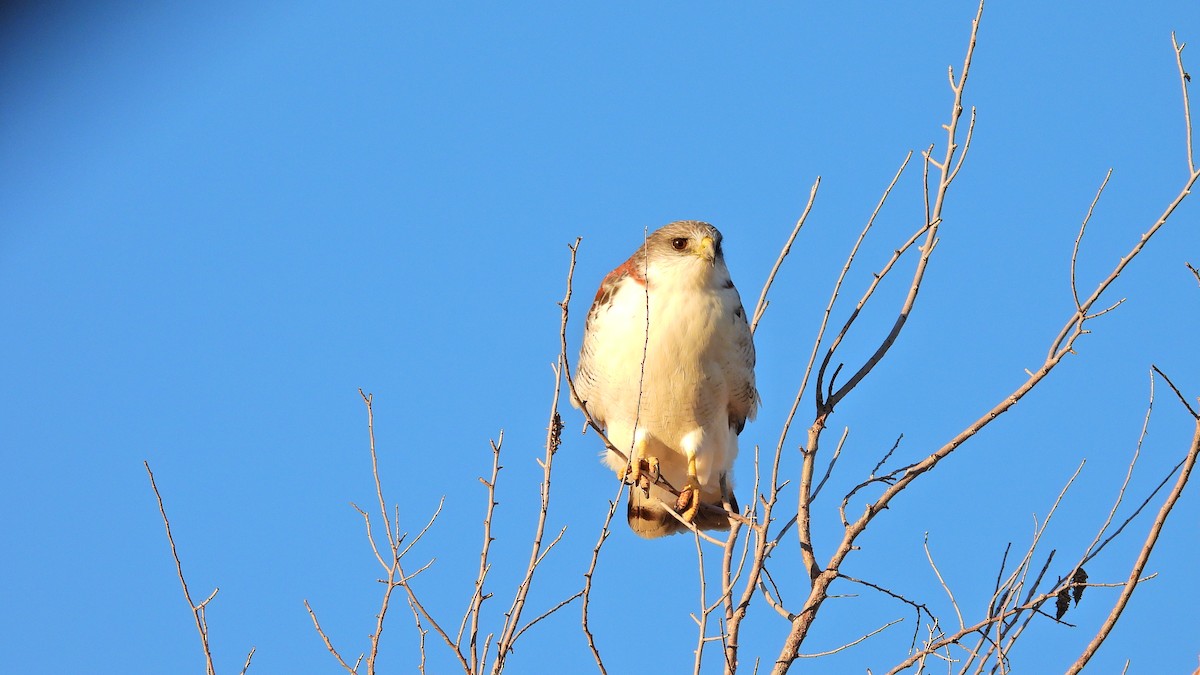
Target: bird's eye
679,243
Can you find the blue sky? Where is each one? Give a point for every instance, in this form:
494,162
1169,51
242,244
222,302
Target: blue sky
218,221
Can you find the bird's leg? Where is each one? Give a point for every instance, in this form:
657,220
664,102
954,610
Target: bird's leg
651,475
688,503
634,475
728,501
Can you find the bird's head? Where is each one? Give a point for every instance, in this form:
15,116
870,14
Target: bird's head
687,247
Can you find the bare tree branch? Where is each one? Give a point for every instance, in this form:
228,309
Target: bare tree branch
512,619
1144,556
478,597
1175,389
198,610
848,645
326,640
761,306
1079,237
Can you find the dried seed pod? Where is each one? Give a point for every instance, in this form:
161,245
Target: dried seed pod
1077,583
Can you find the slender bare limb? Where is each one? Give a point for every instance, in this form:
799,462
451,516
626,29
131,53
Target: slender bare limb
1143,557
837,452
1184,79
957,636
848,645
395,576
393,569
1064,341
1136,512
1010,593
942,581
478,597
198,610
702,620
1079,237
966,144
249,658
590,573
774,604
874,285
803,519
328,643
421,633
387,523
1093,548
918,608
512,619
761,306
1175,389
543,615
1012,588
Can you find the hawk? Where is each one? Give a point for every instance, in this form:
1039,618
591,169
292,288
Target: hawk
667,369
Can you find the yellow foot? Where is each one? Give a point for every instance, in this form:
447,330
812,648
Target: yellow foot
688,502
642,474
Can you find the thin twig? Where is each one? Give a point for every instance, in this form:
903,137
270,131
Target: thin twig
848,645
325,639
249,658
543,615
918,608
1175,389
837,452
1137,452
1187,105
478,597
586,593
942,581
805,497
395,576
1079,237
587,579
421,633
198,611
512,620
393,540
1143,557
702,620
761,306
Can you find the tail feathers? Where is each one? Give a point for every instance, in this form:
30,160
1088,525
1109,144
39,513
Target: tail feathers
649,518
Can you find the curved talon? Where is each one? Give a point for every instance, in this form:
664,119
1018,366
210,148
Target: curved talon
642,474
688,502
633,473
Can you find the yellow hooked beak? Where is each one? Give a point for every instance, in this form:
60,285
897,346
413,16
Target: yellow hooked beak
708,250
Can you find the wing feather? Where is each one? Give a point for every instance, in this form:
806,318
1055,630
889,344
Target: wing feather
743,396
587,373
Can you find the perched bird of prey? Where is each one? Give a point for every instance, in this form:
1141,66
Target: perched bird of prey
667,369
